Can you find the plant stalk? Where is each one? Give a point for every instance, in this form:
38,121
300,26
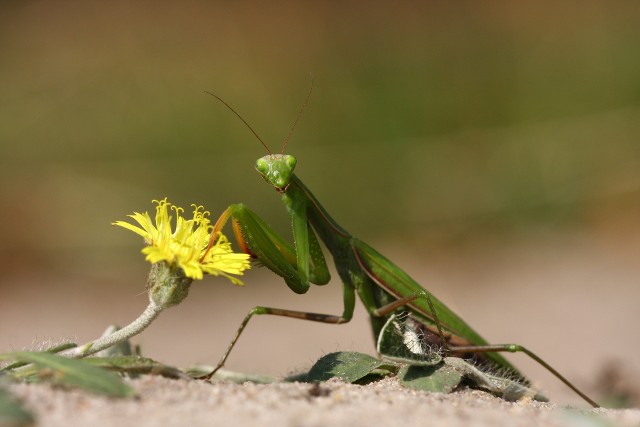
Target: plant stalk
134,328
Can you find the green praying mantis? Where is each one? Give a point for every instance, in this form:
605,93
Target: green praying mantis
386,291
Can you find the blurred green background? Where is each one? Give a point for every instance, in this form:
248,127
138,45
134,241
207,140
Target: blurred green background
439,130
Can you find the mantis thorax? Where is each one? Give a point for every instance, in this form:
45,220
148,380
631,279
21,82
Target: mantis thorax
276,169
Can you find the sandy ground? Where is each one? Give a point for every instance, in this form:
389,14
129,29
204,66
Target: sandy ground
167,402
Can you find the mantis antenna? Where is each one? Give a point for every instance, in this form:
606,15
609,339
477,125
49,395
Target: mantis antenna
286,141
244,121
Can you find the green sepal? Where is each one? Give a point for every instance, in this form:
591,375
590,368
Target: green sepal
167,285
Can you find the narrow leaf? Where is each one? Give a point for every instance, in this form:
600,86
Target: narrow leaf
200,371
502,387
12,413
55,349
73,373
135,365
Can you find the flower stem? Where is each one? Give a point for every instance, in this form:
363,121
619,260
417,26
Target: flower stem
134,328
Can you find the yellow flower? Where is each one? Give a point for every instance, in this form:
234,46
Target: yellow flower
188,246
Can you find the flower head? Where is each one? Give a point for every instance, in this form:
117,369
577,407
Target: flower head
188,245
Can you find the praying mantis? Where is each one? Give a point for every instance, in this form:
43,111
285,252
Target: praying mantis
386,291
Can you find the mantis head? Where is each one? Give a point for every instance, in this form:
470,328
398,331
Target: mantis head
276,169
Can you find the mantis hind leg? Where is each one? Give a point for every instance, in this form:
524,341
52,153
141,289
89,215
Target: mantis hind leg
516,348
314,317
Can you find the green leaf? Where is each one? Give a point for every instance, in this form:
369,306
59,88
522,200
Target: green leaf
438,379
55,349
70,372
502,387
12,413
349,366
200,371
135,365
513,391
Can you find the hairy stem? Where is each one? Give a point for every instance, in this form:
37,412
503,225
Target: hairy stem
134,328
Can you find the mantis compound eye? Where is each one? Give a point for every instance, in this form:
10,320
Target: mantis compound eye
262,166
291,161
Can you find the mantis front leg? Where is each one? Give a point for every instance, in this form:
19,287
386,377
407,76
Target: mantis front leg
273,251
256,238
